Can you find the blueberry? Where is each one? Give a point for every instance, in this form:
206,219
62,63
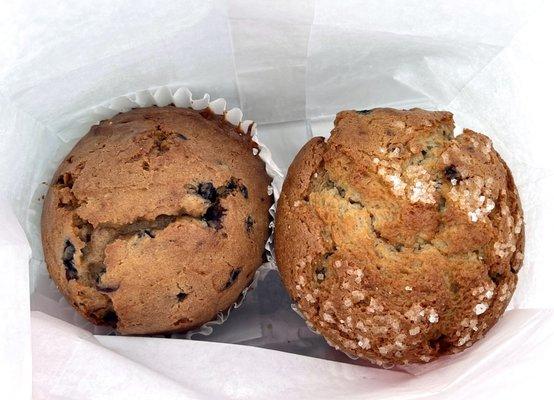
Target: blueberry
231,184
215,212
244,190
320,273
232,277
69,261
440,344
249,223
451,173
495,277
365,112
146,232
207,191
181,296
213,216
110,318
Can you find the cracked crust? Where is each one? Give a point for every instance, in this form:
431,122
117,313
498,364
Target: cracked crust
156,220
398,241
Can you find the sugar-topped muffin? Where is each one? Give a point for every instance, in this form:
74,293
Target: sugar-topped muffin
157,220
398,241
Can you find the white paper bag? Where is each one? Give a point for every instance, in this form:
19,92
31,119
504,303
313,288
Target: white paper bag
290,66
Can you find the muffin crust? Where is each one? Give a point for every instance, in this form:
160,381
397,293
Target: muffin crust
399,241
157,220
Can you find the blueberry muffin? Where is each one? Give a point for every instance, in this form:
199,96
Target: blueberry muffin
157,220
399,242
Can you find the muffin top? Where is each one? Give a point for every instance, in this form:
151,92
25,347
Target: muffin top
157,219
399,241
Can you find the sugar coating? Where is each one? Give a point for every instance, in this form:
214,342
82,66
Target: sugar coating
358,296
398,185
364,343
423,188
481,308
433,317
400,228
414,331
473,196
310,298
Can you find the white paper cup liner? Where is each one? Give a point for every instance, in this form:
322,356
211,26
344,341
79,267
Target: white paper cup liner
45,295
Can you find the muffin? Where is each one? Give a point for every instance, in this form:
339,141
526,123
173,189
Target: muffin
157,220
398,241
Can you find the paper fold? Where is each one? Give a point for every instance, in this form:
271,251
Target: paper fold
290,67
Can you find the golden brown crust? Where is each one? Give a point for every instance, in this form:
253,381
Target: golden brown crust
399,242
156,220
